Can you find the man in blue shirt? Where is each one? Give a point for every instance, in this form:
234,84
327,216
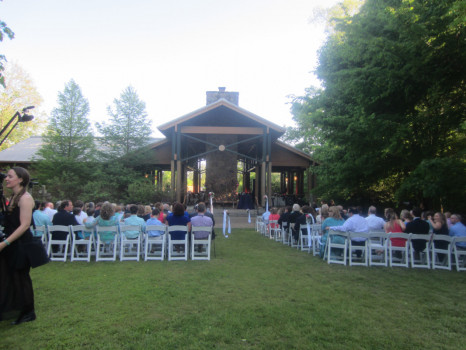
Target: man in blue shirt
154,221
134,220
457,229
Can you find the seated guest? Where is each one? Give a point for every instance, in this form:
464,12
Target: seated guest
355,223
457,229
274,215
49,210
63,217
201,219
373,221
147,212
406,216
105,218
302,220
265,217
134,219
439,227
154,221
294,215
177,218
334,219
418,226
394,225
78,212
284,218
40,218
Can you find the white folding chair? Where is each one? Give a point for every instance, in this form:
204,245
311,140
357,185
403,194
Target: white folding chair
259,223
81,247
459,253
285,233
57,247
274,230
363,259
178,249
107,243
398,256
130,242
377,248
40,231
441,249
423,260
291,240
316,232
154,246
338,241
304,241
202,244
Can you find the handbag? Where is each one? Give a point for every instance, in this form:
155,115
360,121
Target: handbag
35,252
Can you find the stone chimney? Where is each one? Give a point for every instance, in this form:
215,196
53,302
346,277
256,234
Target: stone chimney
213,96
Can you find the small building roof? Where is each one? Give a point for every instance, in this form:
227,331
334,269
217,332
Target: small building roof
22,152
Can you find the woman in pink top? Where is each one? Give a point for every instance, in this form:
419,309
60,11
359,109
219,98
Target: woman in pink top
394,225
274,216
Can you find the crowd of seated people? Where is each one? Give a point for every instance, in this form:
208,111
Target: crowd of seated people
110,214
409,221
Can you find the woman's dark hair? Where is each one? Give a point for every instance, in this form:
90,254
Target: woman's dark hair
77,210
23,175
133,209
178,209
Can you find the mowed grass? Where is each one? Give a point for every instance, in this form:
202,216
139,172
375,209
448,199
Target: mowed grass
255,294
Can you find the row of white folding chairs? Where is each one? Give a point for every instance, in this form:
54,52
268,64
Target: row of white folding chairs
85,243
377,249
307,240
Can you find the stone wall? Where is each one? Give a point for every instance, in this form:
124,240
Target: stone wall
222,168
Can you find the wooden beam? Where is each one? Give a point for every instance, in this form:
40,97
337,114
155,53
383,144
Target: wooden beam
232,130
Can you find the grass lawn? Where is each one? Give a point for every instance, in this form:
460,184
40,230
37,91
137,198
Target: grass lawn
256,294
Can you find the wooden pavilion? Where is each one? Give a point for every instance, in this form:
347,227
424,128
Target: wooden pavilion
219,141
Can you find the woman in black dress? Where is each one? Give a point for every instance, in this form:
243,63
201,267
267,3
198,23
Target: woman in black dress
16,294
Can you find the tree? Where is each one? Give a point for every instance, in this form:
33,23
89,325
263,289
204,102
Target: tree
19,92
393,97
68,149
4,30
129,129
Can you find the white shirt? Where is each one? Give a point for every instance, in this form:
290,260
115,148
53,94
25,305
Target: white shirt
355,223
374,222
80,218
50,212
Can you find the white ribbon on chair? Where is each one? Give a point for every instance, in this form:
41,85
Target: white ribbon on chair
249,216
225,221
309,238
211,195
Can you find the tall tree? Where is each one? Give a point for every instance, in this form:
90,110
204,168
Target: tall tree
69,134
129,128
19,92
393,98
4,30
68,148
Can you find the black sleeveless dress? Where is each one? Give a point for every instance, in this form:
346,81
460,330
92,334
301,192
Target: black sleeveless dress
16,293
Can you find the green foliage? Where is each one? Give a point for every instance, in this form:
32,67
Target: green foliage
394,95
67,153
141,191
438,179
128,129
69,134
19,92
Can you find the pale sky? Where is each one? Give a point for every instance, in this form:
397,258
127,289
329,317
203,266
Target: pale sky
171,52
